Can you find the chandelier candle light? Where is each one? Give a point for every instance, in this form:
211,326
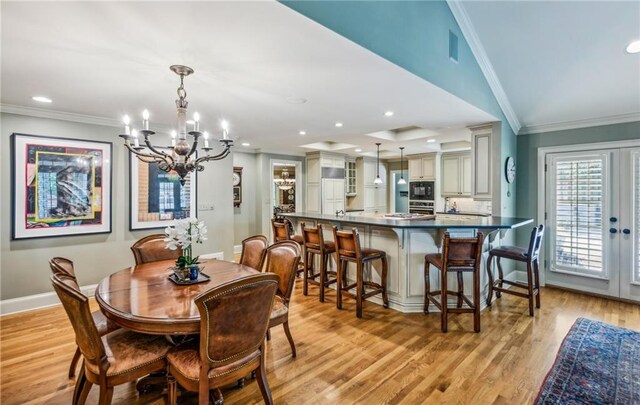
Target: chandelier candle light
180,158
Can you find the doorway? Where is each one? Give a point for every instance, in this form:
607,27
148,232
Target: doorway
399,193
592,211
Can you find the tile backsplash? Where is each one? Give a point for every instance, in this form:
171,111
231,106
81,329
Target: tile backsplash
469,205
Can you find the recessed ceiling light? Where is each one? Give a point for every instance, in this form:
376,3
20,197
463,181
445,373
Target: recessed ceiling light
338,124
41,99
246,144
302,132
358,150
431,140
388,114
634,47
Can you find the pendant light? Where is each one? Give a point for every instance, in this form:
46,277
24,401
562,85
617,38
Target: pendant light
378,180
402,180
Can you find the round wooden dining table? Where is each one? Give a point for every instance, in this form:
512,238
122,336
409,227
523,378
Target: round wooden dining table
143,299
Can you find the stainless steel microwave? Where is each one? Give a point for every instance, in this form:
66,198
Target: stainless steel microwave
421,190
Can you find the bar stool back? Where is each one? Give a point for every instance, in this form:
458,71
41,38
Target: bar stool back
529,256
459,255
348,249
282,231
314,244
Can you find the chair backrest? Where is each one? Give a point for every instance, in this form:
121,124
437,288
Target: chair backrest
347,242
535,242
462,253
280,230
254,249
63,268
312,237
76,305
153,248
283,259
234,318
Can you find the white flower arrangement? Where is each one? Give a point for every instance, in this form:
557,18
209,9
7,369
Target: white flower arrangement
183,234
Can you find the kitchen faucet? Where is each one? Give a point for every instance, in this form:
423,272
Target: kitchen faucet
340,213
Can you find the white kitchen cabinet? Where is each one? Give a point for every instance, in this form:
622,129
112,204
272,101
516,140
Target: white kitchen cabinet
323,197
422,168
332,196
455,179
481,162
370,196
351,178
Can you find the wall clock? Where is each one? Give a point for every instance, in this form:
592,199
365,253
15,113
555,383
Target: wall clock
509,173
237,186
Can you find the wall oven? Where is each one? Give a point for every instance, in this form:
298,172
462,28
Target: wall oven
422,207
421,191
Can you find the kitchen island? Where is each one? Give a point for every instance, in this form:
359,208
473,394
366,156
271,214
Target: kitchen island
406,241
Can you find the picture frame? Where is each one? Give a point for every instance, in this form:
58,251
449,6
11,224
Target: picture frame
60,186
157,199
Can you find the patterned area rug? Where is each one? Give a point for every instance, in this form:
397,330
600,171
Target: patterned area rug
596,364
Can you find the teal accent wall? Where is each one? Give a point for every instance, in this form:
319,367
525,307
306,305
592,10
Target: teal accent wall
415,36
527,161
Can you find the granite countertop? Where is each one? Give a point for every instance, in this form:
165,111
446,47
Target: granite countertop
477,214
463,222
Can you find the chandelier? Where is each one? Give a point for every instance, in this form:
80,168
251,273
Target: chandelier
179,157
284,182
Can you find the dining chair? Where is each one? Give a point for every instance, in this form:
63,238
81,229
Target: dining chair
116,358
153,248
282,259
254,249
234,319
283,230
63,268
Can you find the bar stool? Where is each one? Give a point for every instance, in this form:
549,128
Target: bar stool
348,250
282,231
459,255
529,256
314,244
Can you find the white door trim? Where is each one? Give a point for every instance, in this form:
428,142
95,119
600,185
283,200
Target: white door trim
542,186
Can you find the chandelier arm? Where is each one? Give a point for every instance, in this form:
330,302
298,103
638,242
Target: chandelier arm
219,156
165,155
152,158
193,147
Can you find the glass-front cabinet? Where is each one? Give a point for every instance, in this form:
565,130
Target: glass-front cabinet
350,176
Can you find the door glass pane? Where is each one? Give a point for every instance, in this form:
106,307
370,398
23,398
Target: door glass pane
577,208
636,216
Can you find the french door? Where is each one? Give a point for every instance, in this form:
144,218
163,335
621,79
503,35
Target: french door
592,212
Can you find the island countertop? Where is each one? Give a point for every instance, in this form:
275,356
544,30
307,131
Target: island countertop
463,222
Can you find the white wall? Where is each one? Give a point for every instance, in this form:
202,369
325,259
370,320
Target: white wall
244,217
24,268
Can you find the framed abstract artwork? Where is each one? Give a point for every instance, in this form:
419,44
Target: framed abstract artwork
60,186
157,197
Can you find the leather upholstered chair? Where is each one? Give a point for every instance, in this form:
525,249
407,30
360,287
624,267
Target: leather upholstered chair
458,255
254,249
282,230
113,359
282,259
314,244
63,268
348,249
153,248
529,256
234,321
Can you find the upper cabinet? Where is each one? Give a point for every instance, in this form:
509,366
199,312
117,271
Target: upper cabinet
325,183
456,175
422,168
371,197
481,162
351,177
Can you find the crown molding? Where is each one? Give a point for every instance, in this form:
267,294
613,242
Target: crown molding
590,122
469,32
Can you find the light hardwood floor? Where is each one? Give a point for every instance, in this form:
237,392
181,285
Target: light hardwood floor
386,357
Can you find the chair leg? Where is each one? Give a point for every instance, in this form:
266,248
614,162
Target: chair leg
427,286
359,286
323,274
536,274
305,275
172,389
74,363
106,394
85,393
460,289
263,384
530,286
476,299
268,334
490,274
340,269
383,281
290,338
443,301
80,382
500,277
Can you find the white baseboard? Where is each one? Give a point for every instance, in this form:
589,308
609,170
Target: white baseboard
237,249
38,301
216,256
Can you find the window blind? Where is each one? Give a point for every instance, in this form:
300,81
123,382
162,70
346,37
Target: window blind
578,207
